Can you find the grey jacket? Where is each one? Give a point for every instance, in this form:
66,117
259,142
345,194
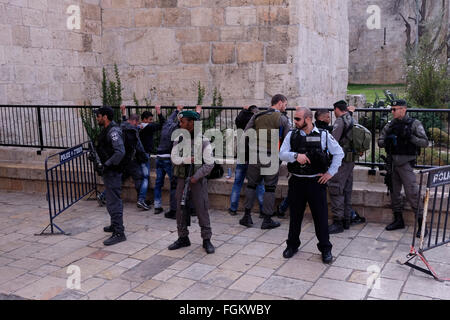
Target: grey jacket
165,143
418,137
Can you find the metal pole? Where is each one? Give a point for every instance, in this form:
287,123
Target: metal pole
41,136
425,213
372,171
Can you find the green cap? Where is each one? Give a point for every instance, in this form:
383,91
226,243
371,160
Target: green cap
399,103
189,114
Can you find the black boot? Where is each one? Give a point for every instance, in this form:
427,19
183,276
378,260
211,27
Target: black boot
419,230
356,218
327,257
246,220
158,210
336,227
209,248
172,214
108,229
398,222
180,243
346,224
268,223
115,238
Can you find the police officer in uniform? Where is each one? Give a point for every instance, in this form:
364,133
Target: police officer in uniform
111,150
265,120
306,149
341,185
198,186
402,138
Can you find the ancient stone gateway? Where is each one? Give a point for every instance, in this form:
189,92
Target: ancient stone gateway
248,49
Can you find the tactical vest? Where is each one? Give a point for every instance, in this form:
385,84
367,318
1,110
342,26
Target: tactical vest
346,141
104,147
311,146
403,147
182,170
267,120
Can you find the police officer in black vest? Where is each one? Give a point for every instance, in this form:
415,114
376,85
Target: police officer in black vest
306,149
111,151
402,138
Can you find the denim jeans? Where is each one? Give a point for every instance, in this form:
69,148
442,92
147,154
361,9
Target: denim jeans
284,205
241,171
163,166
145,168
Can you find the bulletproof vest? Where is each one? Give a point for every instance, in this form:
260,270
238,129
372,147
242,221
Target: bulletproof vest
104,147
311,146
404,146
323,125
182,170
267,120
130,141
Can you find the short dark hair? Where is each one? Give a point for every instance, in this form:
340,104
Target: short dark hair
146,114
319,113
134,117
277,98
341,105
252,107
106,111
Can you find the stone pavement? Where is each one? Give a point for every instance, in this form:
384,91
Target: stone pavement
247,265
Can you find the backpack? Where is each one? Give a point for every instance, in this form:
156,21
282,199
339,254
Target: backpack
360,140
130,141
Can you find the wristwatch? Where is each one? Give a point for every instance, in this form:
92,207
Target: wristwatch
296,156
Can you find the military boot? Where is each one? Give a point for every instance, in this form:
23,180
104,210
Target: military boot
208,246
115,238
180,243
419,230
398,222
346,224
108,229
246,220
268,223
336,227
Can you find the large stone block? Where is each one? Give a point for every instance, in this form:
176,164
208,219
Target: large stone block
40,38
201,17
233,33
5,35
234,82
116,18
195,53
208,34
223,53
187,34
148,18
250,52
35,92
92,27
72,91
167,3
14,93
189,3
177,17
6,73
3,94
144,47
13,15
2,56
21,36
91,12
274,16
25,74
32,17
240,16
276,54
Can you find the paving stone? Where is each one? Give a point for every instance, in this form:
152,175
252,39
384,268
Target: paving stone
115,257
261,296
355,263
28,263
395,271
61,249
372,230
165,275
167,291
239,240
214,259
131,296
285,287
69,295
337,273
148,269
247,283
340,290
275,236
180,265
259,249
127,247
8,273
200,291
339,244
45,270
196,271
221,277
111,290
43,289
112,272
429,286
232,295
361,277
366,248
88,268
147,286
229,249
270,263
145,254
260,272
18,283
240,263
148,236
74,256
128,263
306,270
388,290
91,284
408,296
311,297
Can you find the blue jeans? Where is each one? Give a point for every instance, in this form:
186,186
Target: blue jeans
163,166
241,171
284,205
145,168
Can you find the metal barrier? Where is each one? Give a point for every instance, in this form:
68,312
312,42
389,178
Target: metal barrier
61,127
70,177
438,234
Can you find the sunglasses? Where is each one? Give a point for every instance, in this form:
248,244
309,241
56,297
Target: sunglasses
297,119
394,109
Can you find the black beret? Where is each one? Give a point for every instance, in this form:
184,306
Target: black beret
399,103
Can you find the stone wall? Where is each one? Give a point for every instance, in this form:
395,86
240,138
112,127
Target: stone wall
41,61
376,60
248,49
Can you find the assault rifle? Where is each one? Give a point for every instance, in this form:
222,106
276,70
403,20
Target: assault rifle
95,159
387,166
185,197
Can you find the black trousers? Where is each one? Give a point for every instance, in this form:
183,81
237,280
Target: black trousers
113,189
302,191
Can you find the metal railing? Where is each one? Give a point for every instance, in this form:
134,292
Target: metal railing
61,127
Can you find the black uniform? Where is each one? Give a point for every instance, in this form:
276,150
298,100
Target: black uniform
111,151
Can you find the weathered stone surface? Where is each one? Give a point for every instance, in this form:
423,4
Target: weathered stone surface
148,18
195,53
250,52
147,269
177,17
223,53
